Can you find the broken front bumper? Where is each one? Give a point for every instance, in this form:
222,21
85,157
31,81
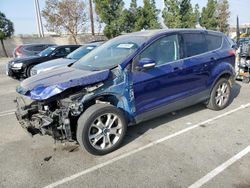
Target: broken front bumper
23,111
35,120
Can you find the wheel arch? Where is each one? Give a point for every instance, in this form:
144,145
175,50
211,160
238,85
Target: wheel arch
223,70
114,99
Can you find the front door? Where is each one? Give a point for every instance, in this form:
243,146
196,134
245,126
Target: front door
163,83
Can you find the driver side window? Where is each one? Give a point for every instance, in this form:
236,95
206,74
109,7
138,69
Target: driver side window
162,51
61,51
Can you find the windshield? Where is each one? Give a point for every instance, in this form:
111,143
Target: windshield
47,51
111,53
80,52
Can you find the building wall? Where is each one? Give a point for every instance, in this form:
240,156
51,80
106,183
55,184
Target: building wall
13,42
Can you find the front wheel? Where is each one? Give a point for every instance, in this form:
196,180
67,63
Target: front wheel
101,129
28,71
220,95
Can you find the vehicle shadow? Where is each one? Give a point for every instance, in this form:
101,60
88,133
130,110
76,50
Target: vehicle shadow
235,92
138,130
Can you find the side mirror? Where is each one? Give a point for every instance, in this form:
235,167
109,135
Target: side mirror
146,63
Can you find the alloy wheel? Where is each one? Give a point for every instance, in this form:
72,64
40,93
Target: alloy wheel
222,94
105,131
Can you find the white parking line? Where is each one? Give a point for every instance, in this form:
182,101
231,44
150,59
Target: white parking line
86,171
7,112
220,168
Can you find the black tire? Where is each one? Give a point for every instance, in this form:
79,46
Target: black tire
28,71
85,126
213,103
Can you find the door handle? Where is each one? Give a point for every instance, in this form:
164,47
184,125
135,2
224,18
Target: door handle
213,59
176,68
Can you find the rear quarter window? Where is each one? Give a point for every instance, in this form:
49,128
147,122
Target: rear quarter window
194,44
227,43
213,42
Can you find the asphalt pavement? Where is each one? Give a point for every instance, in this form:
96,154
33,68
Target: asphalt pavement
193,147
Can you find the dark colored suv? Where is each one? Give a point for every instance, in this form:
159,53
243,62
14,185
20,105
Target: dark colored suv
29,49
21,67
127,80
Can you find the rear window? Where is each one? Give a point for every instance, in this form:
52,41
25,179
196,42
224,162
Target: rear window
194,44
35,48
213,42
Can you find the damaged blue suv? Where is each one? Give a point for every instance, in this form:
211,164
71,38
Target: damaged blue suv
129,79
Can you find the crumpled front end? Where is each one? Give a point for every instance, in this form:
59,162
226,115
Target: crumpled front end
50,103
57,115
55,118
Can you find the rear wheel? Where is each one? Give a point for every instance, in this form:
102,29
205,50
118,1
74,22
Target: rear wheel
220,95
101,129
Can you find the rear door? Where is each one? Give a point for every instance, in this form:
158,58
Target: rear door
198,61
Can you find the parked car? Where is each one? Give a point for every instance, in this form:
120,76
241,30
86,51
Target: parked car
129,79
29,49
21,67
68,60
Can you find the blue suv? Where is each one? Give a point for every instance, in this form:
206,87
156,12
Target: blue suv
129,79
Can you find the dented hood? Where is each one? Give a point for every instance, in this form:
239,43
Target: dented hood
51,83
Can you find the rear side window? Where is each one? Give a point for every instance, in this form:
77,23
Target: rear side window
194,44
213,42
62,51
68,50
227,43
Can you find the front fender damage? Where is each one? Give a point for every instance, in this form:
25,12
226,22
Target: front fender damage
57,115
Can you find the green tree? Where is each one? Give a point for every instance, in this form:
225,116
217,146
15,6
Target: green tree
129,17
223,15
208,15
110,13
147,16
65,16
187,17
6,30
179,14
171,13
197,13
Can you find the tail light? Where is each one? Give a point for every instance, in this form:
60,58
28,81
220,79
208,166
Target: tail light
18,51
231,52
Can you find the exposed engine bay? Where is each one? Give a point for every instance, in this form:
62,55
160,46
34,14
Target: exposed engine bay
56,116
